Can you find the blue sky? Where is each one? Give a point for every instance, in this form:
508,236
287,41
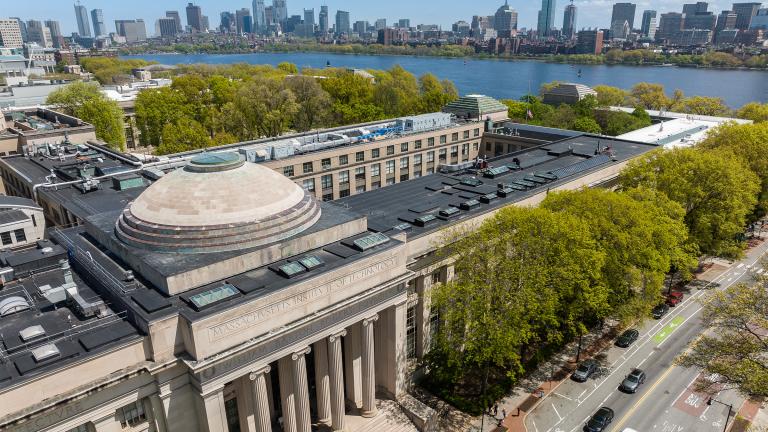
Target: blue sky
592,13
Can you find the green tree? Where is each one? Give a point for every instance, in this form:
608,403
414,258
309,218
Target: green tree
715,189
183,135
619,122
397,92
435,94
587,124
516,109
155,108
261,107
736,348
651,96
352,98
288,68
586,106
754,111
314,109
702,105
86,102
612,96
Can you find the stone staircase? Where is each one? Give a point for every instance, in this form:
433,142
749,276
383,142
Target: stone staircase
391,418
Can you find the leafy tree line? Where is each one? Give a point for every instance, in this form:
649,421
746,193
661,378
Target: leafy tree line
650,57
245,102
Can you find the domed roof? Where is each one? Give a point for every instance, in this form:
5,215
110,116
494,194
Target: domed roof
217,202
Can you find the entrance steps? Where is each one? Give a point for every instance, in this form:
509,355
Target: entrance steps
390,418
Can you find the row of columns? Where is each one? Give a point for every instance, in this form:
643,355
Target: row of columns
329,383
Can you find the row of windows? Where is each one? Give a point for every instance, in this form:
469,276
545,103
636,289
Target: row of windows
5,237
326,163
326,181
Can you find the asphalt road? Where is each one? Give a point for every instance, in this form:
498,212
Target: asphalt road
667,401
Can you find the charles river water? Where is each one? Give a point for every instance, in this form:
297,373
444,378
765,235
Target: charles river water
510,79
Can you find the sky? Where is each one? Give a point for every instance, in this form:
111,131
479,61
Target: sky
591,13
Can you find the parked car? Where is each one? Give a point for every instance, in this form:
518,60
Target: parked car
674,298
584,371
660,310
600,421
627,338
633,381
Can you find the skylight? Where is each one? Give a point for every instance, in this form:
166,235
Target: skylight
311,262
31,332
13,304
212,296
370,241
45,352
291,269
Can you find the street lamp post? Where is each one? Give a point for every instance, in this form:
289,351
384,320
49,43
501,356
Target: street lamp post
728,416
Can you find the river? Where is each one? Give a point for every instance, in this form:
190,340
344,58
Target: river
505,79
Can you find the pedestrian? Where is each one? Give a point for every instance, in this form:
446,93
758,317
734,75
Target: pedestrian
496,410
503,413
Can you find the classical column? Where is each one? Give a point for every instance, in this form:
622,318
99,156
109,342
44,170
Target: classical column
213,416
284,369
301,391
336,381
321,382
369,377
352,363
391,356
261,402
158,413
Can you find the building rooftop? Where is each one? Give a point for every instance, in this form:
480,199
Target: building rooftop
474,106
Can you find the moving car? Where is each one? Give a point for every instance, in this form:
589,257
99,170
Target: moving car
660,310
600,421
584,371
627,338
674,298
633,381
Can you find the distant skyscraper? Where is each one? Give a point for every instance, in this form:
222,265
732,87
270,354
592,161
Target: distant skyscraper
342,22
177,18
760,21
589,42
546,20
227,22
205,23
670,25
404,23
56,37
280,10
360,27
695,8
623,12
323,17
39,34
380,24
569,21
10,33
309,17
744,13
505,20
648,26
131,30
259,21
194,17
99,29
167,27
241,16
83,25
22,27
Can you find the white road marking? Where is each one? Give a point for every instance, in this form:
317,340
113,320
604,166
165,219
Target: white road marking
739,266
556,412
562,396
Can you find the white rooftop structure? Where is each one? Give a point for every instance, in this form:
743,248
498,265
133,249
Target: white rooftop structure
681,130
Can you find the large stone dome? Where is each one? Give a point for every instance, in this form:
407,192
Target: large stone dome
217,203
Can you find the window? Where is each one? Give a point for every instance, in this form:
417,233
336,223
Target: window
404,147
288,171
464,149
375,185
343,177
309,184
442,154
404,162
375,170
20,235
326,163
390,150
431,141
430,171
487,146
454,151
443,139
343,193
430,157
132,414
437,277
359,156
477,132
390,167
328,196
327,181
360,173
403,177
343,160
417,174
476,146
6,238
307,167
434,324
466,134
390,181
417,159
455,136
374,153
360,189
417,144
410,332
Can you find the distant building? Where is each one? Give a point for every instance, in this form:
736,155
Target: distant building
342,23
589,42
39,34
243,21
22,27
323,20
309,17
404,23
175,16
167,27
259,20
131,30
622,13
648,25
670,24
10,34
388,36
744,13
28,128
22,222
227,22
194,18
690,37
567,93
477,107
280,9
505,20
360,27
461,28
695,8
380,24
760,21
83,25
99,28
546,21
569,21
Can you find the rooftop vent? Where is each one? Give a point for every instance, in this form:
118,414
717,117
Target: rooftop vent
13,304
45,352
31,332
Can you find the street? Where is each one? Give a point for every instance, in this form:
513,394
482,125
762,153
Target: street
667,401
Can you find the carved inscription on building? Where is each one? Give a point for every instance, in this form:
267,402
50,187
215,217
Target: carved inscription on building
266,313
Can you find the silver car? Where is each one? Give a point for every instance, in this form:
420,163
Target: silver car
633,381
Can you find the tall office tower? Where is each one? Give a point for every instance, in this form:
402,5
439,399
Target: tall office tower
99,29
176,17
83,25
227,22
342,22
695,8
505,20
726,21
269,16
323,18
205,24
259,21
57,39
131,30
546,20
700,21
280,11
649,24
10,33
309,17
167,27
194,18
404,23
670,25
623,12
241,16
589,42
360,27
39,34
380,24
744,13
569,21
22,27
760,21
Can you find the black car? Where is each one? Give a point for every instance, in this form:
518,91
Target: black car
584,371
633,381
600,421
627,338
660,310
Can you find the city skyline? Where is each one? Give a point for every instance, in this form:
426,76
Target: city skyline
591,12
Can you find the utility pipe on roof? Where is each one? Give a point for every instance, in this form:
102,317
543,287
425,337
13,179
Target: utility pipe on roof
104,149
